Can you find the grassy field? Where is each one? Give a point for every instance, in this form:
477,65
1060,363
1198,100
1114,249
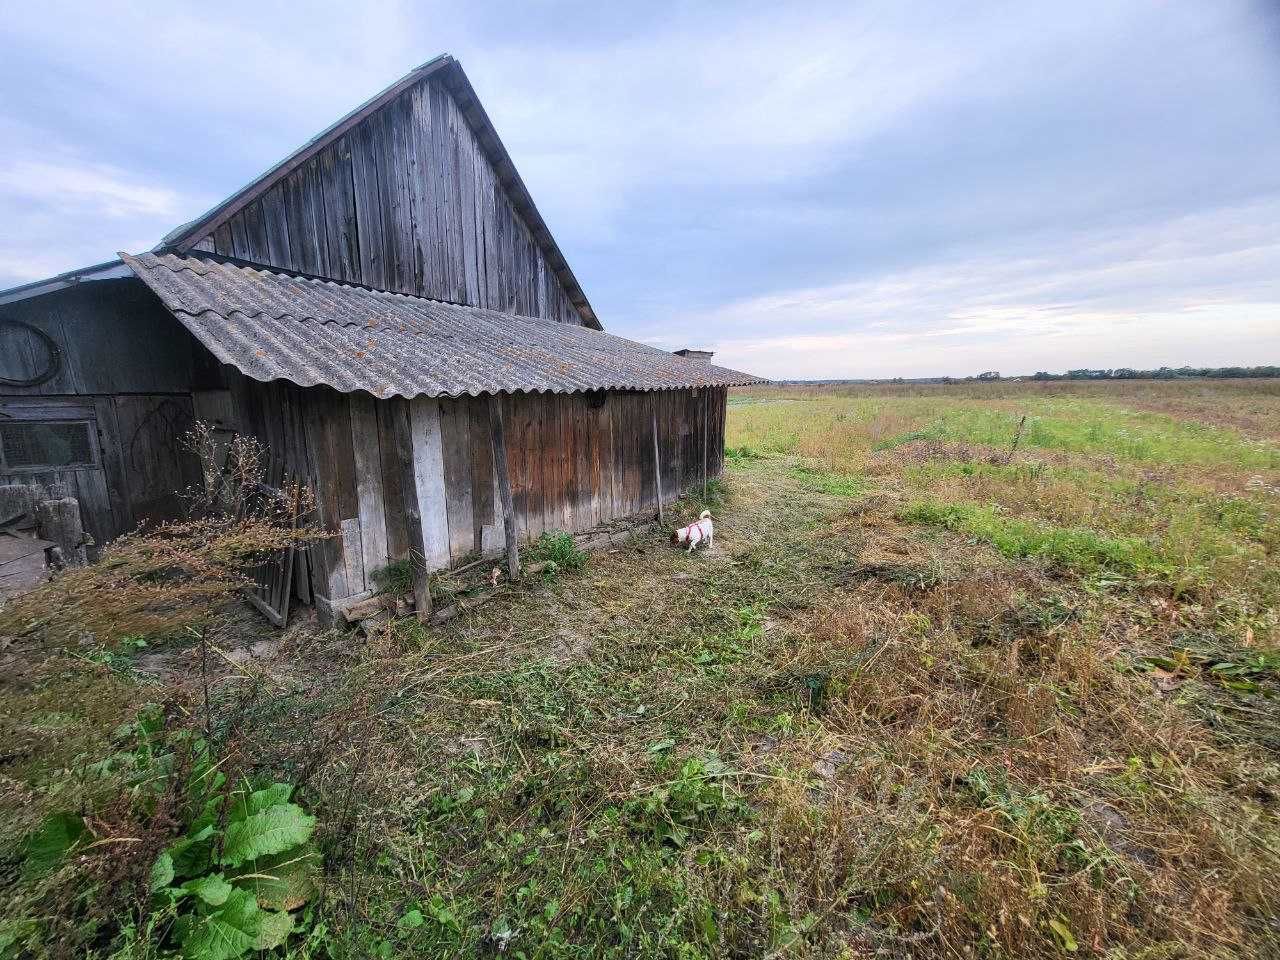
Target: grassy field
978,671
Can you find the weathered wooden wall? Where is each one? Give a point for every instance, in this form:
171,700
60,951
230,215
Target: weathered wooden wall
398,476
405,201
126,368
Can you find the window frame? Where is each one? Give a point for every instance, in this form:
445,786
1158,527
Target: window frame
90,426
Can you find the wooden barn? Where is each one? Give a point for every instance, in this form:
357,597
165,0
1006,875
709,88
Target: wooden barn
387,311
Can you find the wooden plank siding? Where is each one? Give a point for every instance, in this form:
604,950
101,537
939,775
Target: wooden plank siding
399,478
406,201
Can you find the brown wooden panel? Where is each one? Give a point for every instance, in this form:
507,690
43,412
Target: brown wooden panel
533,421
369,205
394,473
158,470
370,496
482,480
328,421
455,442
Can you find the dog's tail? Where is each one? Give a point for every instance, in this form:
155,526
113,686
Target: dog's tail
705,515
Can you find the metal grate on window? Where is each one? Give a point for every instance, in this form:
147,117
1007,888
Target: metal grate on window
46,444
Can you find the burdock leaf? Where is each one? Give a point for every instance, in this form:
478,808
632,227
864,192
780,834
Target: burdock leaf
282,881
274,930
212,888
225,933
161,872
54,839
272,831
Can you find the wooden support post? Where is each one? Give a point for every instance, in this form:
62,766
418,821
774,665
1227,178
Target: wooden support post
657,462
504,486
421,581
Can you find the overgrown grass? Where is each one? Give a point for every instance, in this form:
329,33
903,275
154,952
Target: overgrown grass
1076,549
931,698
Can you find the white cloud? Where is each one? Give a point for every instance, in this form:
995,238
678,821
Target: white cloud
1201,290
84,188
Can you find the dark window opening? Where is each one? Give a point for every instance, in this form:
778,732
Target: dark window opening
45,444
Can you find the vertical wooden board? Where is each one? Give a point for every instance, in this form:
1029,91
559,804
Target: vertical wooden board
685,436
113,467
467,209
519,423
723,406
589,488
579,463
157,467
564,490
315,217
482,477
622,466
239,245
368,206
678,437
340,214
456,236
398,117
609,485
370,493
400,423
330,425
576,455
294,202
424,193
516,431
429,482
455,438
255,230
568,459
535,441
222,241
617,429
643,426
488,232
387,199
276,227
353,552
393,475
591,429
328,572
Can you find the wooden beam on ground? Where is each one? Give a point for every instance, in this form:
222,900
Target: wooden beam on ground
504,485
657,462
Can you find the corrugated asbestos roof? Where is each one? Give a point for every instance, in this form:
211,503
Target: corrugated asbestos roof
274,325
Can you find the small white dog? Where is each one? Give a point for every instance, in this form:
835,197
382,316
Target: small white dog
699,532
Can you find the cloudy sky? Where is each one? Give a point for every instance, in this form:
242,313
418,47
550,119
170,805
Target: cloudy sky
860,189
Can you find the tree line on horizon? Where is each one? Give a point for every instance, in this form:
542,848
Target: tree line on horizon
1116,373
1163,373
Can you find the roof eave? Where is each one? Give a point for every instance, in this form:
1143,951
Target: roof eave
109,270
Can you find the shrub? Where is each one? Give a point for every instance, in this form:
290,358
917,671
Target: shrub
395,578
559,551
